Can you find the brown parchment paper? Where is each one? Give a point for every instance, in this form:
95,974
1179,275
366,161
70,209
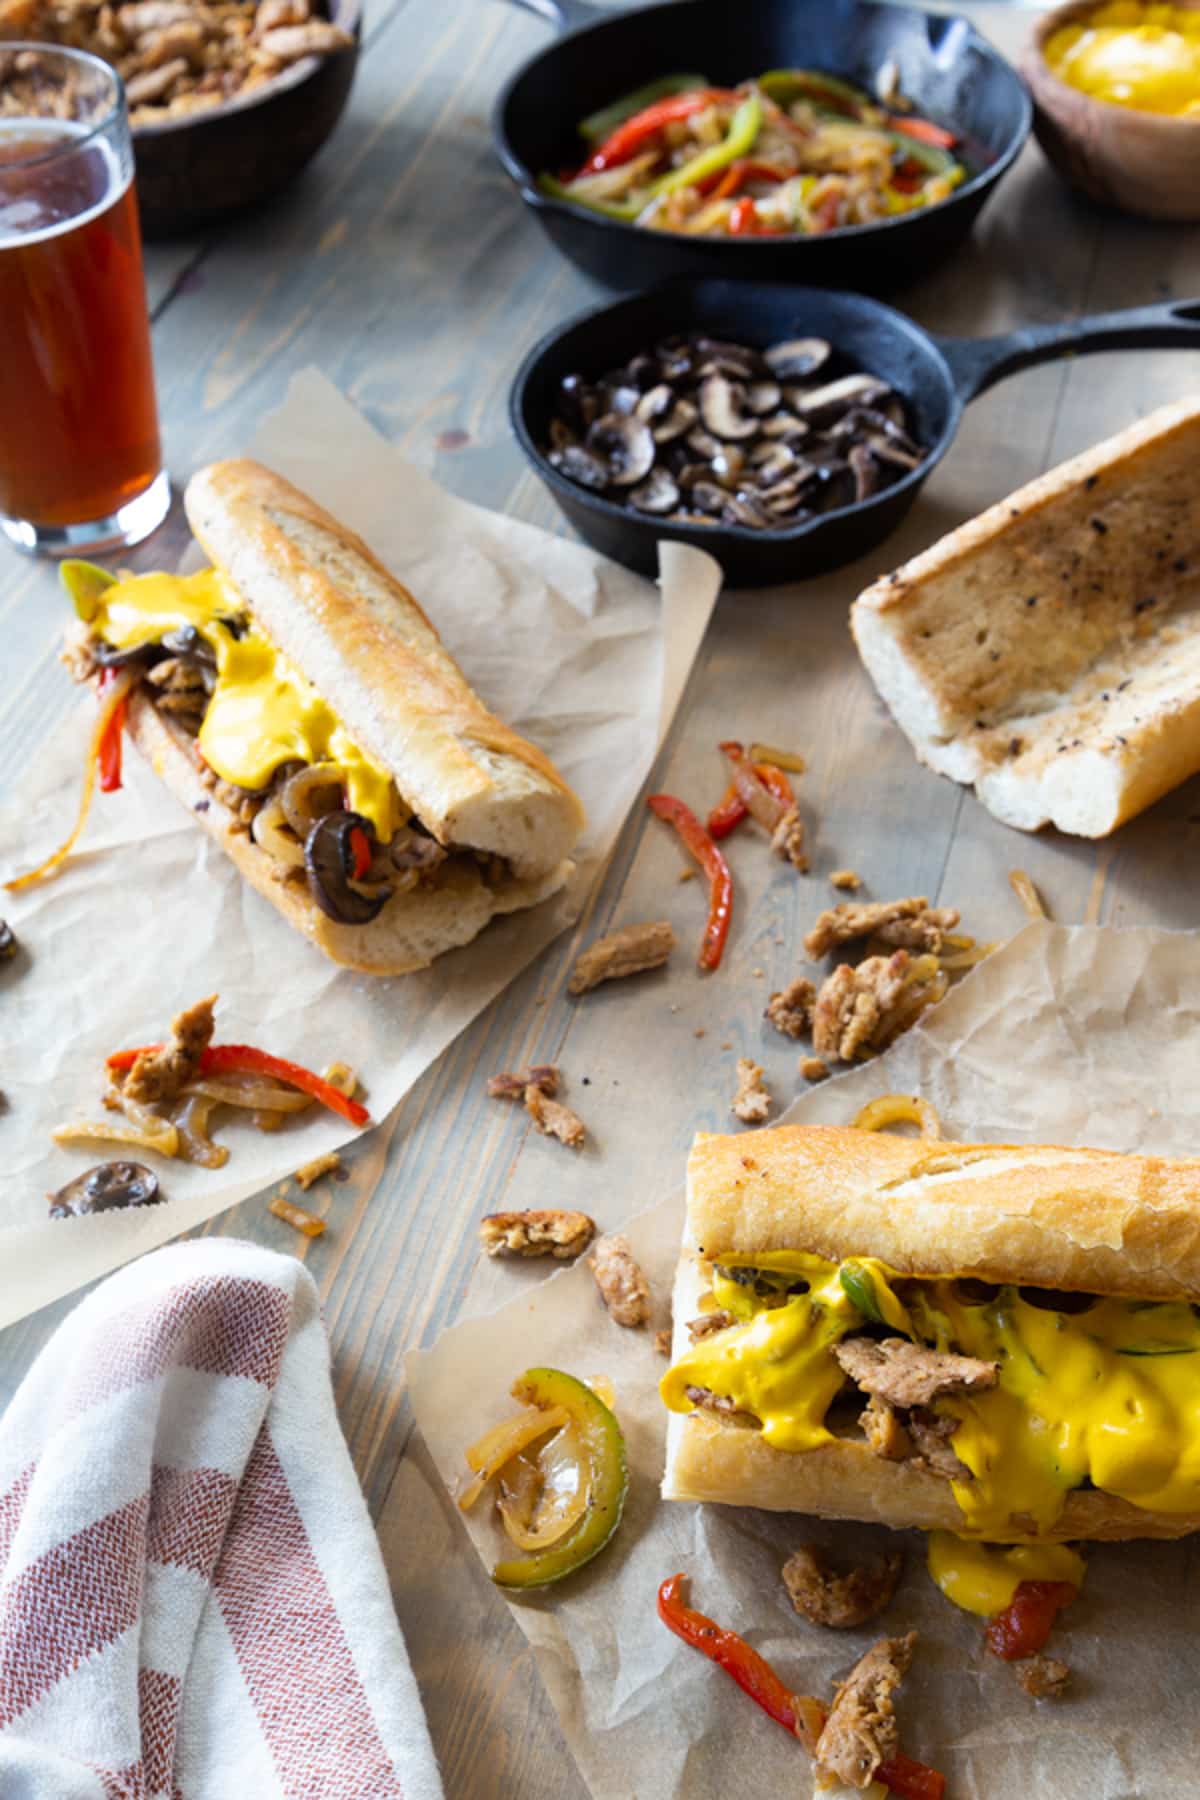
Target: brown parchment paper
1068,1035
584,658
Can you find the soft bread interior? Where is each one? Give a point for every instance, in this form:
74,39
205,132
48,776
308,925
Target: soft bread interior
1049,651
412,929
365,644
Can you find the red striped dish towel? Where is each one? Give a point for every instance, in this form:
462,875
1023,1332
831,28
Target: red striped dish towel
192,1601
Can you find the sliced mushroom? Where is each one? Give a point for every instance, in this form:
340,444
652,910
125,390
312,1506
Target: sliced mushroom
657,494
797,357
708,496
626,446
737,360
821,405
655,401
328,863
681,418
763,396
622,396
835,491
675,358
644,372
106,1188
784,425
561,435
728,464
703,443
865,471
772,462
891,450
578,464
745,508
721,404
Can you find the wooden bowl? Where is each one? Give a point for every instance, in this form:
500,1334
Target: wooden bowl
191,172
1142,162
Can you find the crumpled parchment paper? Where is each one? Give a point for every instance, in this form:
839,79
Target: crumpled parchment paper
1067,1035
584,658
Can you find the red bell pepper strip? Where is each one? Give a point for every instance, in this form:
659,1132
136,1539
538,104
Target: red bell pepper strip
923,130
825,213
1025,1624
108,751
728,181
720,881
743,220
224,1059
360,845
910,1780
731,809
799,1714
631,137
753,1674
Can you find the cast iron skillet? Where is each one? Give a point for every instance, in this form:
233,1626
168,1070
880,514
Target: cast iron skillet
946,68
936,376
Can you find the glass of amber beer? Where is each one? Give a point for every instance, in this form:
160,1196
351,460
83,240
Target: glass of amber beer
80,463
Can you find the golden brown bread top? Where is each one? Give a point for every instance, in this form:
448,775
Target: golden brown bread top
363,641
1092,1221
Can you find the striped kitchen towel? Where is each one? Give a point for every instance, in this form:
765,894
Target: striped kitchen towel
192,1601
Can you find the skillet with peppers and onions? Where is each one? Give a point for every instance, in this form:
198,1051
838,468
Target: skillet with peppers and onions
793,152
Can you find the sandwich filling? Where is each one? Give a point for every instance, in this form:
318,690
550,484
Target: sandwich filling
1015,1396
266,742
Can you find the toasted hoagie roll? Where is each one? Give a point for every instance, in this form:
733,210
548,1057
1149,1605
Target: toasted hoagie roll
297,699
994,1340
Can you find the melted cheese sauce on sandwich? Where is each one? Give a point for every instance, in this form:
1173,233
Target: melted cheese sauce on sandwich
1108,1396
262,712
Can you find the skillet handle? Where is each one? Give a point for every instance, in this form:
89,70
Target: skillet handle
564,15
978,363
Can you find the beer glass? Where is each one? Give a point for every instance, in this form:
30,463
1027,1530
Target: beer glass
80,463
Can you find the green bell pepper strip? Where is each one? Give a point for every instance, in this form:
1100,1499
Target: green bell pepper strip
625,210
84,582
599,125
937,162
785,85
744,128
606,1476
859,1289
739,140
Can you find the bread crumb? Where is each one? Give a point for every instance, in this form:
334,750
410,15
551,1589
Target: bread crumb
687,874
849,879
320,1165
759,972
662,1342
813,1069
700,1031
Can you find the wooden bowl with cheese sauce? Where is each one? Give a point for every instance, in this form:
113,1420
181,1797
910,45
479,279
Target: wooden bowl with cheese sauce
1139,161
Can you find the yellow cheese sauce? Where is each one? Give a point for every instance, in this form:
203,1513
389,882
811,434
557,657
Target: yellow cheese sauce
262,712
1145,57
982,1578
1108,1396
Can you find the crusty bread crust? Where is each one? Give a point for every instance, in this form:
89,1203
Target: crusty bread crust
411,930
1091,1221
1048,651
363,641
731,1464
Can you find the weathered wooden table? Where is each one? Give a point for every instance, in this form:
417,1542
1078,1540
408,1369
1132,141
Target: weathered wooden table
403,266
